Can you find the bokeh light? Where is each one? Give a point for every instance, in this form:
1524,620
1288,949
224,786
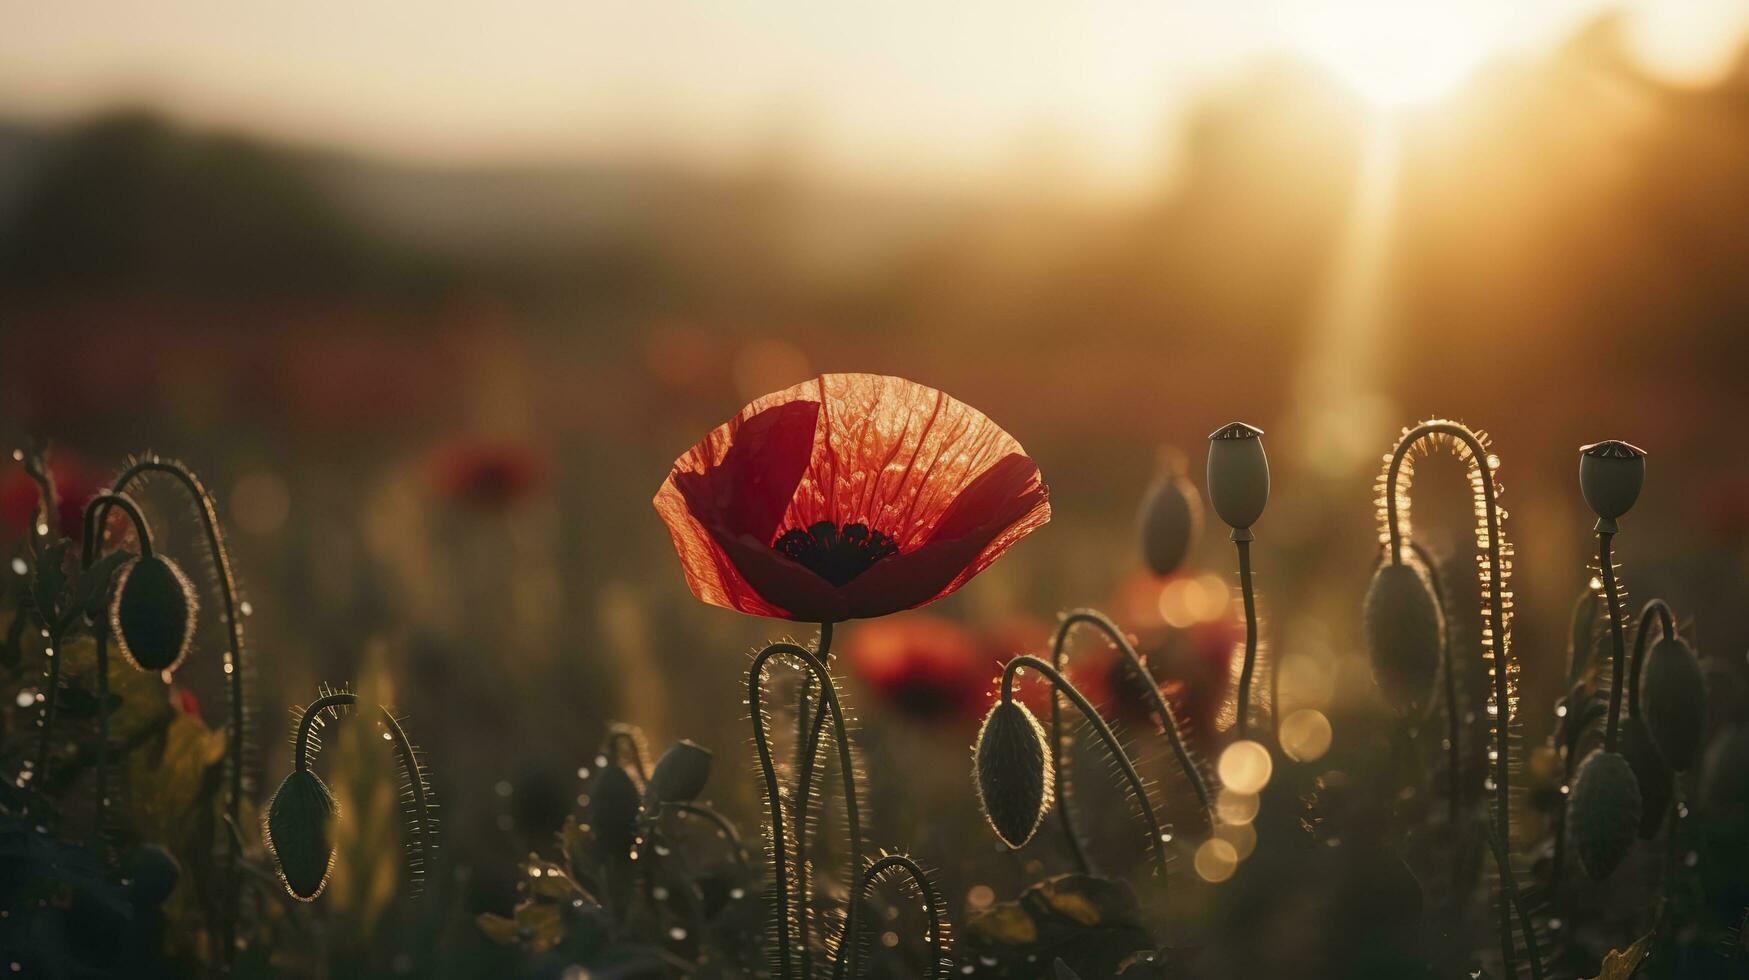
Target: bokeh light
1216,860
1245,767
1305,735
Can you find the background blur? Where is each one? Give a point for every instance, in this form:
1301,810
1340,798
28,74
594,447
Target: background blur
433,295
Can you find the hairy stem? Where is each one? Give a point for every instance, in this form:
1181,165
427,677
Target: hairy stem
421,804
1156,835
931,906
1606,568
774,798
807,751
233,665
1139,668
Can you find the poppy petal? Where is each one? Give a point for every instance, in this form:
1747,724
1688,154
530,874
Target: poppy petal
1002,506
737,481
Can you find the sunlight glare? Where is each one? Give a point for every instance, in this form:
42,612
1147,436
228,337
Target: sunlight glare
1395,53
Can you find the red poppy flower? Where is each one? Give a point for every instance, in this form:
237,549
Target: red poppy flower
488,476
929,668
845,497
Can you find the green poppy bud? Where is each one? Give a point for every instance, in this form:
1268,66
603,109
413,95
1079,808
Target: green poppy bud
614,805
151,872
1650,772
152,613
1610,475
1673,701
680,774
1238,475
1603,812
1013,772
300,833
1171,518
1405,636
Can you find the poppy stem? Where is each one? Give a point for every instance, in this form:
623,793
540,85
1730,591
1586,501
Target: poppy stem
1139,667
1250,595
1157,836
1653,608
774,797
932,906
807,750
1495,644
233,666
1448,680
1606,568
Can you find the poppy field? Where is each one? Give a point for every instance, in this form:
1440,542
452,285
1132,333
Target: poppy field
1106,778
900,491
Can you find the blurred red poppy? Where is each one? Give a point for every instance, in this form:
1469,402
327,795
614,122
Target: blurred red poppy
487,475
75,484
923,666
845,497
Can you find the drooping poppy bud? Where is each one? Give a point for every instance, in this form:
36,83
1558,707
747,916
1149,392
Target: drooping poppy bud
1610,475
1405,636
300,833
1673,701
1014,772
680,774
152,873
1171,519
613,810
1650,772
153,613
1238,474
1603,812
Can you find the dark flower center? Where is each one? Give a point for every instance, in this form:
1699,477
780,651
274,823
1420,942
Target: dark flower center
833,554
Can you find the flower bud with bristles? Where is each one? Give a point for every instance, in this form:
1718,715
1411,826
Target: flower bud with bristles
613,810
1603,813
1673,701
1405,636
299,831
153,612
1014,776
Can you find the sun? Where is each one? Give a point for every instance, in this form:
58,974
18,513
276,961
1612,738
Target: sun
1395,53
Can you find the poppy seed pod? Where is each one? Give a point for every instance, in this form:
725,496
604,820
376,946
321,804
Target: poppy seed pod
1650,772
1603,812
1610,475
1014,772
299,833
1238,475
1170,521
613,810
680,774
1673,701
153,612
1405,636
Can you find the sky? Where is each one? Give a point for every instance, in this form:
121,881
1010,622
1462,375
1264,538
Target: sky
962,89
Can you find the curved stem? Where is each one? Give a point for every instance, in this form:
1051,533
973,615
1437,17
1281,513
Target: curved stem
1250,595
621,735
1495,638
774,798
931,906
233,665
1156,836
1138,667
1653,608
807,751
421,804
1448,679
104,500
1606,568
